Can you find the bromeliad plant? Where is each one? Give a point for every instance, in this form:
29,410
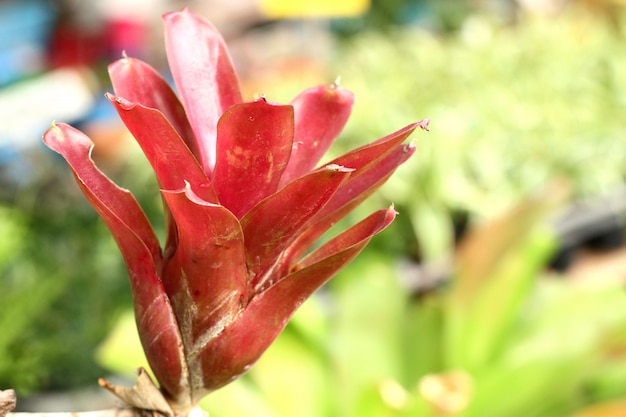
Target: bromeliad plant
243,203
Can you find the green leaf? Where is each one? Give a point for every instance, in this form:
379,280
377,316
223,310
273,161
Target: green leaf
496,267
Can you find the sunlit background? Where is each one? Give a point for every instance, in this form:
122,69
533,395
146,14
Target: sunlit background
498,291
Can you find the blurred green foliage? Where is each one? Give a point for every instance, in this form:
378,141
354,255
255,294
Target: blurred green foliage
512,108
62,279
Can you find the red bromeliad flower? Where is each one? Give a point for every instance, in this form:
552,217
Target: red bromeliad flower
243,201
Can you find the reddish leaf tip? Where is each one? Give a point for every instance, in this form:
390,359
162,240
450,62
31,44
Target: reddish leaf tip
52,130
409,147
122,102
391,211
423,124
192,196
172,14
53,134
124,60
57,134
339,168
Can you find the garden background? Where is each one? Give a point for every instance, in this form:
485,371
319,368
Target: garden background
498,291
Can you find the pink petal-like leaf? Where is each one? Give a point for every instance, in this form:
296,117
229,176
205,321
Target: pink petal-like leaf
156,323
138,82
204,75
254,142
320,115
170,158
245,340
273,224
206,278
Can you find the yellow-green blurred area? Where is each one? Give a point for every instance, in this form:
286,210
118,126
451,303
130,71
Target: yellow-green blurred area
488,296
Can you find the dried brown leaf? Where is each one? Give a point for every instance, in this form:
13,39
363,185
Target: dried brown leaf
144,394
7,402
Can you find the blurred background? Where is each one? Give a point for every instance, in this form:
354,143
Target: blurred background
498,291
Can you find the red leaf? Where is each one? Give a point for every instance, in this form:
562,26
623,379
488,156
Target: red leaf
242,343
170,158
157,325
253,147
354,191
365,229
320,115
204,76
371,163
138,82
206,278
272,225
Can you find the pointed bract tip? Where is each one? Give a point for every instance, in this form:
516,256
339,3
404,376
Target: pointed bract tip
191,195
409,147
52,133
423,124
184,10
339,168
123,103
